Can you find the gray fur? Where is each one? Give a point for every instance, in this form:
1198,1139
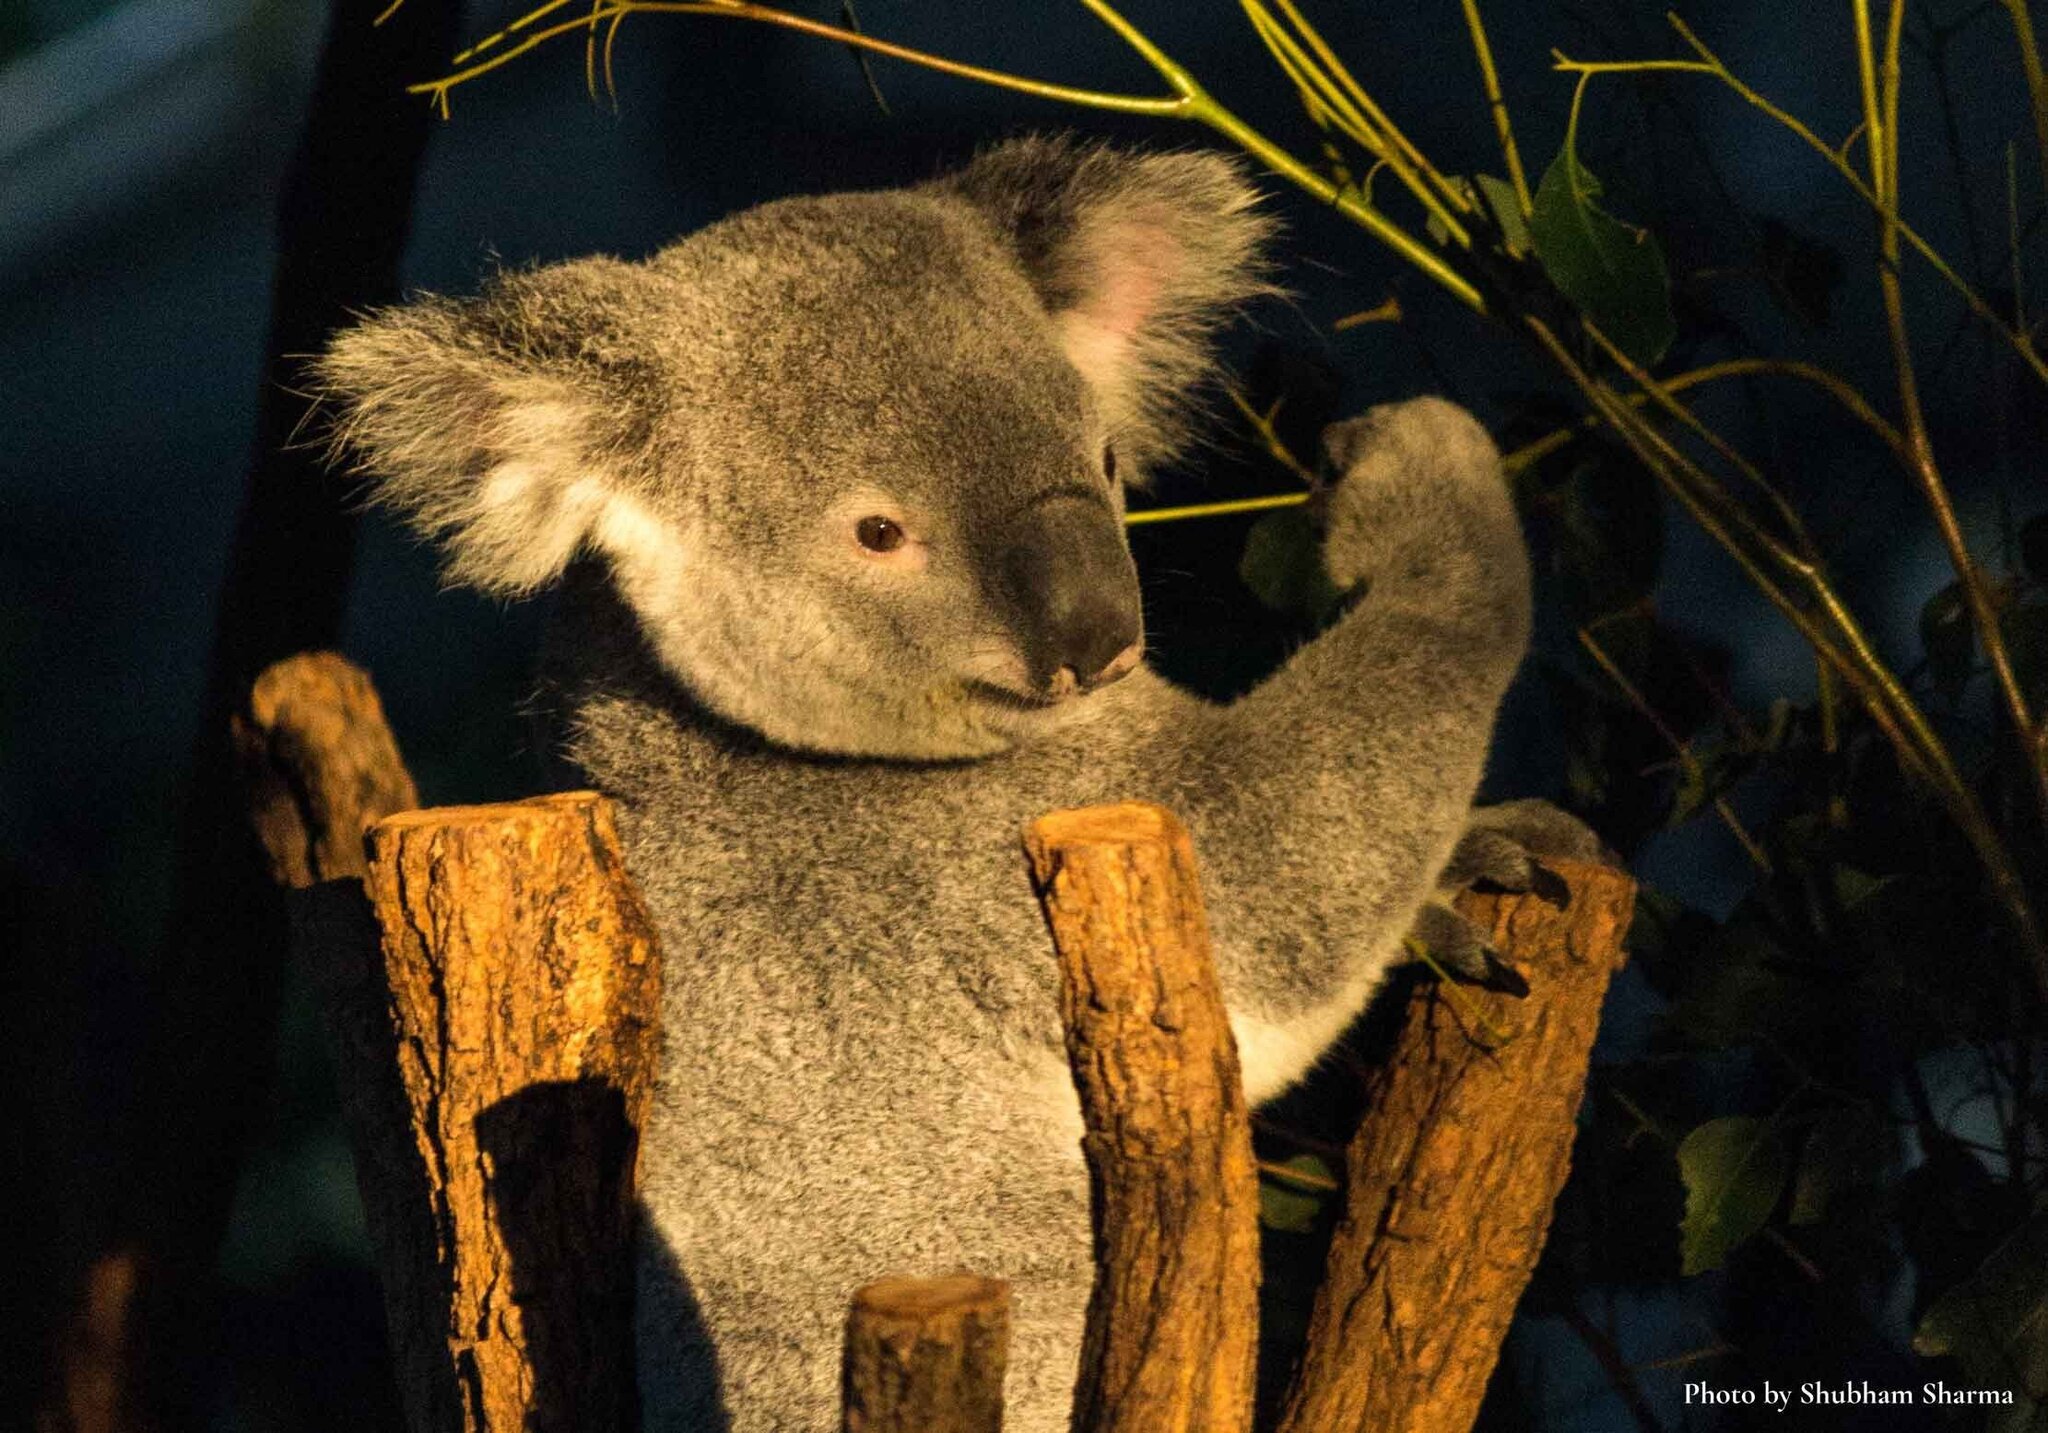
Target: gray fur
824,758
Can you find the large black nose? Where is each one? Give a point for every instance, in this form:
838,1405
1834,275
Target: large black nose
1076,593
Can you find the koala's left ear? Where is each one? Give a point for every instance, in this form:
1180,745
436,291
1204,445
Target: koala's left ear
509,426
1138,258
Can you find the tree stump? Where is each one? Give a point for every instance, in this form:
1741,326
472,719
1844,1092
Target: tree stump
1173,1320
927,1355
1451,1177
523,997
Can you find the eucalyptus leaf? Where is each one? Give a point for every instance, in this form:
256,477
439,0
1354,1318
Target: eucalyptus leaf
1802,271
1734,1169
1739,988
1283,564
1613,271
1711,773
1948,639
2025,629
1293,1205
1845,1154
1497,197
1995,1323
1609,543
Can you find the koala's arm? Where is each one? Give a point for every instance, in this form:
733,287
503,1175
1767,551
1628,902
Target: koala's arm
1325,802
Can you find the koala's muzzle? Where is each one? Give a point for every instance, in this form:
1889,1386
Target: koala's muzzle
1074,592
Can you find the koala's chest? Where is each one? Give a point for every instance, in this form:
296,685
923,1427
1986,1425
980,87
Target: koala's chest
838,914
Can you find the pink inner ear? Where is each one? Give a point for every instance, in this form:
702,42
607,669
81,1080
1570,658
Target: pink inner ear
1130,263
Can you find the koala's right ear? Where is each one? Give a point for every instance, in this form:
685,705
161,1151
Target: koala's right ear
502,425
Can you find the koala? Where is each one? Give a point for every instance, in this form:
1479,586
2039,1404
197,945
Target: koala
833,491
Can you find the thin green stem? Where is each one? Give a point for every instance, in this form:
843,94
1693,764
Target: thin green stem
1220,509
1203,108
1746,540
2037,80
1711,64
1320,89
1680,748
1348,202
1537,449
1400,147
1269,437
438,90
1661,395
1881,115
1382,123
1888,704
1482,50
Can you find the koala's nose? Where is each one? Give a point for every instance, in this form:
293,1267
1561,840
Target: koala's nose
1077,589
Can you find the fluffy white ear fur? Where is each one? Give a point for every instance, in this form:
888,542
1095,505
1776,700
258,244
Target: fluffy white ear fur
1130,261
474,446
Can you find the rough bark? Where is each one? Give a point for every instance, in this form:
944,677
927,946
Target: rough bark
927,1355
319,767
1173,1320
497,1109
1452,1175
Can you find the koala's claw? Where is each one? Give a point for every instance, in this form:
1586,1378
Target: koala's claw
1465,954
1506,846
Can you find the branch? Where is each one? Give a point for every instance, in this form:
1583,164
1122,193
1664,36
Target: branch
1881,118
1451,1177
1482,50
495,1095
1173,1320
318,767
1189,101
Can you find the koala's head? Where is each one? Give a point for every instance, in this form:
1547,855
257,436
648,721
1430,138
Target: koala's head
855,462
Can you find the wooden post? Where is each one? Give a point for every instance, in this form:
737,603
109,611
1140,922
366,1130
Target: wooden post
318,767
1464,1147
1172,1323
493,1004
523,996
927,1355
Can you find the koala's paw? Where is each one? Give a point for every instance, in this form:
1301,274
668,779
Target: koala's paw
1395,468
1462,949
1503,846
1414,433
1506,846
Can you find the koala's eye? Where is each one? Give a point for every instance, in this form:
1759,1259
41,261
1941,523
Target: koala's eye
1109,463
879,534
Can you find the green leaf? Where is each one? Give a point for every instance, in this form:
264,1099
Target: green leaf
1613,271
1948,639
1283,564
1803,273
1734,1169
1845,1154
1497,197
1293,1205
1609,548
2025,629
1854,887
1714,770
1996,1321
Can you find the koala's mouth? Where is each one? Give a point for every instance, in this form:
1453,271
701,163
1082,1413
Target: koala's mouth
1010,699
